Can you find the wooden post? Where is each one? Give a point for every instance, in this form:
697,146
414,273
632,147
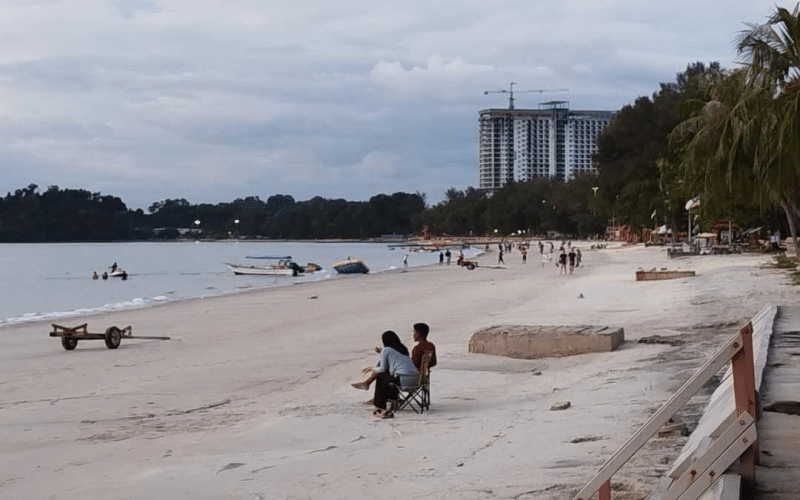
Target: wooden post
604,493
744,392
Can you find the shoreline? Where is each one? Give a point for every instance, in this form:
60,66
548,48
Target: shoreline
252,397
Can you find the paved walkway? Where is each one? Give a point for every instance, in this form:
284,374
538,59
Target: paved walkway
778,475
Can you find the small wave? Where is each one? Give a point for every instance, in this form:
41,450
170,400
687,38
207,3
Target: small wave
117,306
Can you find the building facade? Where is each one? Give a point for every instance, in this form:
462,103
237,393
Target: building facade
552,141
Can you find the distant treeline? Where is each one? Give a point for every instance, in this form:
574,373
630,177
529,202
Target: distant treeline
536,207
58,215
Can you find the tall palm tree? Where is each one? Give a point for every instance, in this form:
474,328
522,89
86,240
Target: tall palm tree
771,53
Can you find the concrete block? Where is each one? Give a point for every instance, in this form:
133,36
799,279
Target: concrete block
531,342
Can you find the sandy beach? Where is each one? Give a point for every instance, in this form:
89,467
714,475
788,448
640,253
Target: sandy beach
251,399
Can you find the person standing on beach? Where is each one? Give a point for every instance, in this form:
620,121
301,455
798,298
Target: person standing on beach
524,255
551,246
571,260
448,255
541,247
441,258
405,261
562,262
577,257
423,346
500,256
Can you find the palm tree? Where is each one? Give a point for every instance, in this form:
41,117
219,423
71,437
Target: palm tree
771,53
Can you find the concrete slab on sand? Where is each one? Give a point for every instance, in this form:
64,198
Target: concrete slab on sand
530,342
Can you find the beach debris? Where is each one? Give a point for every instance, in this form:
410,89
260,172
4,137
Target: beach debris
657,339
314,297
536,373
652,275
580,296
787,407
232,465
586,439
561,405
673,425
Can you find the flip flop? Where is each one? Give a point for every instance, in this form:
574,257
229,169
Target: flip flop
378,413
360,385
386,414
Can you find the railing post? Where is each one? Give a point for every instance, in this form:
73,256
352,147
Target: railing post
744,392
604,493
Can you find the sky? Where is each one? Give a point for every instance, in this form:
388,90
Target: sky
216,100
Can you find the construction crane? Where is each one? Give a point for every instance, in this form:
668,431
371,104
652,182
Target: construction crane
510,91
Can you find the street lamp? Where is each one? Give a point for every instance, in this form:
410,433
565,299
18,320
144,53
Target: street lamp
237,227
594,205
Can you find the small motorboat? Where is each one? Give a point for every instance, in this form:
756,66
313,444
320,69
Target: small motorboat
284,267
350,265
271,270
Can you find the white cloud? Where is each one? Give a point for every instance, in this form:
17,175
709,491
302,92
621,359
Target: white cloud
211,101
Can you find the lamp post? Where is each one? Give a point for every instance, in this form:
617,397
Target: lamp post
237,227
594,205
197,223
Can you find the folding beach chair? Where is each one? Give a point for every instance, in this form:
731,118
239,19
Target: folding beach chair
417,396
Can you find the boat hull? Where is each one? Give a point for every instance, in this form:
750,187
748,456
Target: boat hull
262,270
350,266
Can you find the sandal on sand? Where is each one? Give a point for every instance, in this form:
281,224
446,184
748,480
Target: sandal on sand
378,412
360,385
386,414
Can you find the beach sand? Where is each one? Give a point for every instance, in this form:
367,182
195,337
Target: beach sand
251,399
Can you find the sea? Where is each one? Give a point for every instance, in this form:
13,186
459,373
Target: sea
50,281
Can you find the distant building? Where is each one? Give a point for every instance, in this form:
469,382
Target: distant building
552,141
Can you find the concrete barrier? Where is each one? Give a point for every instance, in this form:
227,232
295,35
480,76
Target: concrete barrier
530,342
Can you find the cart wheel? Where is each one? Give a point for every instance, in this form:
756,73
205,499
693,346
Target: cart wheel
113,337
470,266
69,343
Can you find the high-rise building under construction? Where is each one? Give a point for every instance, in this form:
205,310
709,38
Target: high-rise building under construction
552,141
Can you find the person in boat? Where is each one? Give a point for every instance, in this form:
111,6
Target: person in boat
394,367
94,275
113,267
105,275
124,275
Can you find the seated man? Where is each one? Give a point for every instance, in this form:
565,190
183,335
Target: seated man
421,331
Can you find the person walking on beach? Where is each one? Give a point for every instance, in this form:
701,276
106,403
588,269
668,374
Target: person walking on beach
551,246
394,367
448,255
571,260
500,256
405,261
441,258
524,255
577,257
562,262
541,247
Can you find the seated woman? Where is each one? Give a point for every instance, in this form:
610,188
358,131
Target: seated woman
393,367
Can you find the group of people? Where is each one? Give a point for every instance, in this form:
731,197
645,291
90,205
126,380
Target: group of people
573,257
114,268
446,255
396,367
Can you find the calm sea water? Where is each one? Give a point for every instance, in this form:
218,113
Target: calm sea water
50,281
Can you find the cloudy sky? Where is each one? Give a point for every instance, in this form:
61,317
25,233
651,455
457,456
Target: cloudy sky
215,100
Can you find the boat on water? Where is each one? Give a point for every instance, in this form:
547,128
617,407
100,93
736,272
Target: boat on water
350,265
285,267
270,270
